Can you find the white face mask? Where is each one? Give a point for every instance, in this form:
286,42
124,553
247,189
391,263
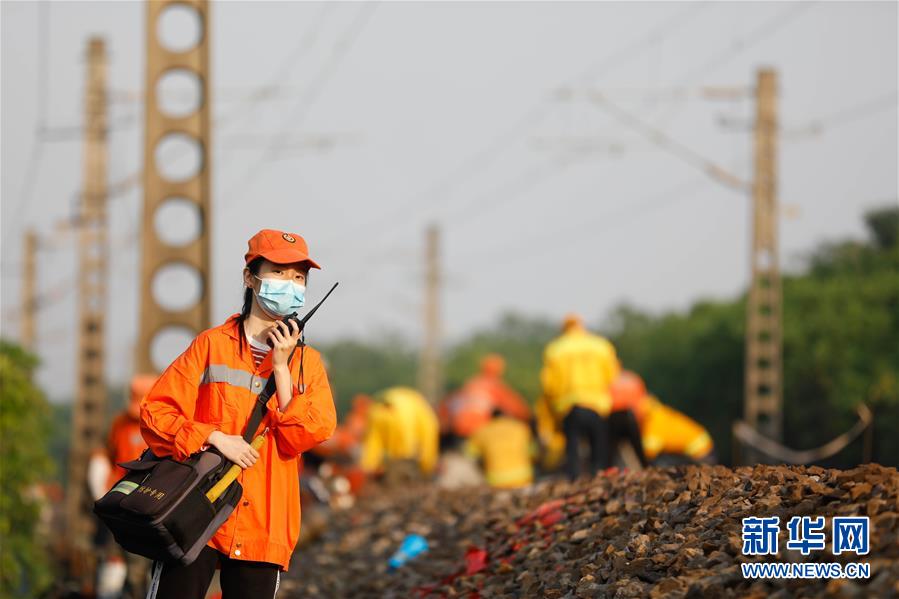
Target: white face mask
280,297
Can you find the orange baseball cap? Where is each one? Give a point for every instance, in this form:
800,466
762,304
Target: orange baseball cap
279,247
572,321
141,385
493,364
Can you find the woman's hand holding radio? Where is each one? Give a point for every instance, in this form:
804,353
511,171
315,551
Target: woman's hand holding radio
282,339
234,448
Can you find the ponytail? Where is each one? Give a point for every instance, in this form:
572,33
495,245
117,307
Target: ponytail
254,267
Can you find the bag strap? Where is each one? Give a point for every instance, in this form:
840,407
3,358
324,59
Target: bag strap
259,408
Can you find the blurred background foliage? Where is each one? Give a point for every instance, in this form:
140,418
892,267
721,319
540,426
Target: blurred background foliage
25,424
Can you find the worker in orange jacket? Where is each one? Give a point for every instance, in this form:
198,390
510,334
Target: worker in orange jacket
578,368
506,449
205,398
347,438
470,408
120,574
664,434
125,442
628,393
338,456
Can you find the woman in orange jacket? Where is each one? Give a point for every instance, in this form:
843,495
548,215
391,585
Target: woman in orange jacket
205,397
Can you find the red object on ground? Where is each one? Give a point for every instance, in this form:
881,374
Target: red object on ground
547,513
541,511
548,519
475,560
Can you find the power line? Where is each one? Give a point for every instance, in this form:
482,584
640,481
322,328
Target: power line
604,222
52,296
670,93
763,31
531,176
32,168
76,132
475,163
481,159
666,142
507,192
846,115
297,116
527,181
760,33
282,73
655,35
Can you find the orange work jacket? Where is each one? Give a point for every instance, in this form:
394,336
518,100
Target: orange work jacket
471,407
213,386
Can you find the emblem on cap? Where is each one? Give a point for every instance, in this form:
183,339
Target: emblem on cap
289,237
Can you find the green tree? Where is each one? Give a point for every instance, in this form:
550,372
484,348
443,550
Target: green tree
841,341
841,347
24,430
884,226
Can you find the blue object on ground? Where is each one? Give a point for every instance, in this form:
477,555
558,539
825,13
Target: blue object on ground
411,546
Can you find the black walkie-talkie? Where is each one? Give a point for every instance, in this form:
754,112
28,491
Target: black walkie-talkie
301,322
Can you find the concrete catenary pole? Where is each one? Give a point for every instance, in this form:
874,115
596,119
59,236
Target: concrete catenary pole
29,286
763,385
430,370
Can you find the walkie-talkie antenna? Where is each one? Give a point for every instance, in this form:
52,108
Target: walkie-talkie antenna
301,322
316,307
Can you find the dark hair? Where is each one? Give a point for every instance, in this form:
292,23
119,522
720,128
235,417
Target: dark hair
255,266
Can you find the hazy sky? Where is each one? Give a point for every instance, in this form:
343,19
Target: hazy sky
450,113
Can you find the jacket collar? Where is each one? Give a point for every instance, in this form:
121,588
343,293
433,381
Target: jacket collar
232,329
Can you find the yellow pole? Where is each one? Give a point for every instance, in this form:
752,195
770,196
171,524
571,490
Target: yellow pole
231,474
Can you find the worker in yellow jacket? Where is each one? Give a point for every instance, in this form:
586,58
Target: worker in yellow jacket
402,427
506,448
578,369
668,432
549,435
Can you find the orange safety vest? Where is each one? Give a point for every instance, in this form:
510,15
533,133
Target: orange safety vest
471,407
213,386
